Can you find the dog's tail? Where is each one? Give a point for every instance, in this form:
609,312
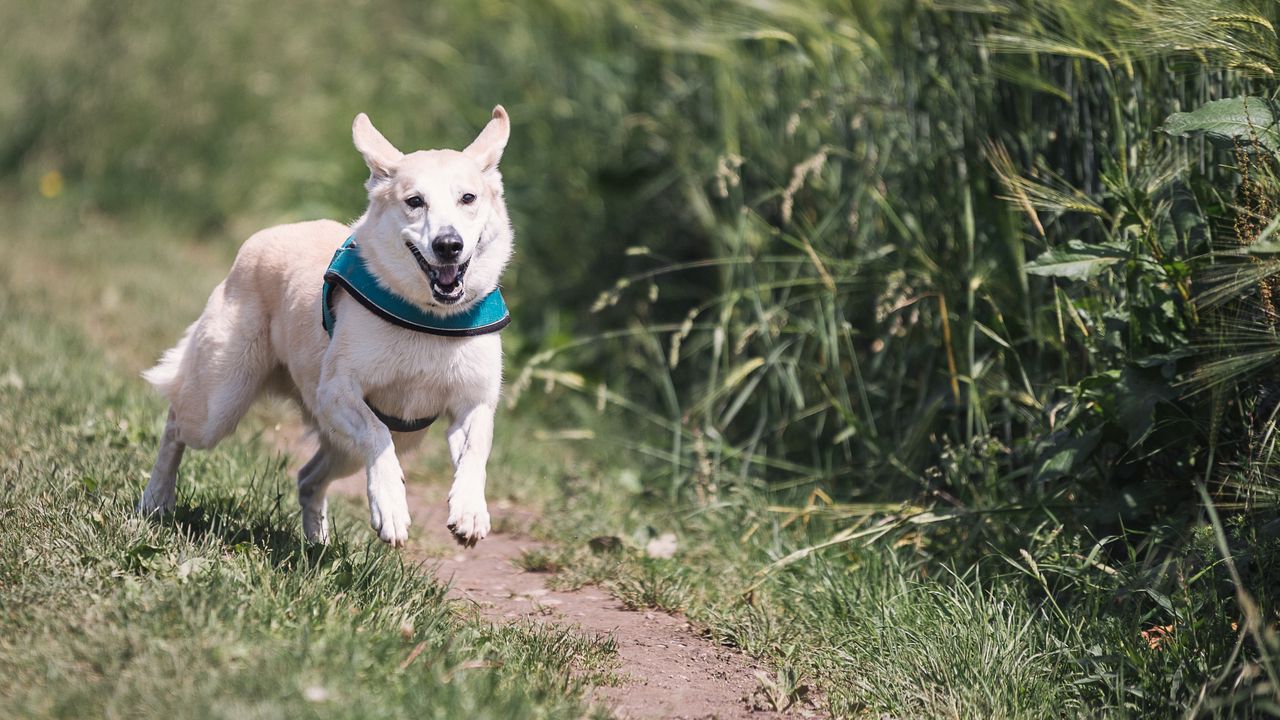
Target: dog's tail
164,376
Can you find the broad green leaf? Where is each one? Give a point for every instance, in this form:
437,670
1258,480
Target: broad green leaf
1242,118
1064,457
1077,261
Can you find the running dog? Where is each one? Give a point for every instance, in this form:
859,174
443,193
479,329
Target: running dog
375,329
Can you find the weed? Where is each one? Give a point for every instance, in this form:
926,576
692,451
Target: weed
539,560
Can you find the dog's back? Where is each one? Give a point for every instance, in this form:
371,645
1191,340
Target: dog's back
220,365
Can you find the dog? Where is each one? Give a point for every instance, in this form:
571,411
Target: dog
434,242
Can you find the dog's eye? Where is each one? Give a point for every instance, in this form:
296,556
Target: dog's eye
468,198
414,201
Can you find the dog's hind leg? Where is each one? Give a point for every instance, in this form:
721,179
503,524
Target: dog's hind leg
219,367
161,494
323,468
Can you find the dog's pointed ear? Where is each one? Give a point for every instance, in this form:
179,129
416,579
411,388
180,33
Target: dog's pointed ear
379,154
487,148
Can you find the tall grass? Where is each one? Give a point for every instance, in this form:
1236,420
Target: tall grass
969,265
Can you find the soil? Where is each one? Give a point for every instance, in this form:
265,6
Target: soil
666,668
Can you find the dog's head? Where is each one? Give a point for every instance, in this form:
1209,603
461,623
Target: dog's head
436,231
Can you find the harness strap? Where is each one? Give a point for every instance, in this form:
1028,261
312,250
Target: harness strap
347,270
400,425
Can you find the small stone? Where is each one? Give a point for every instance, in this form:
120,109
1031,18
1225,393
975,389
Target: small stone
662,547
12,379
605,544
315,694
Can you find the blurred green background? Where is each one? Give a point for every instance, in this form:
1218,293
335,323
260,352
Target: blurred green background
940,257
794,241
209,115
795,231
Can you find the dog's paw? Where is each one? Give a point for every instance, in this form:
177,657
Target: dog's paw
315,522
468,519
153,503
389,512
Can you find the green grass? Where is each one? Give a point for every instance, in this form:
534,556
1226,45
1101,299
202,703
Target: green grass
226,603
222,609
888,624
923,284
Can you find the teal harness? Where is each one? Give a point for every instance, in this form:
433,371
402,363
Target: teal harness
347,270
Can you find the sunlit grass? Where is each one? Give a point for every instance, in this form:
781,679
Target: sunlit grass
777,253
224,605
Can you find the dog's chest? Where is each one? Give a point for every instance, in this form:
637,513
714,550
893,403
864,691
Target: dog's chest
414,375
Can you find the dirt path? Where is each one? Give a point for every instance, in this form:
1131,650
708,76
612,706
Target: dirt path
668,669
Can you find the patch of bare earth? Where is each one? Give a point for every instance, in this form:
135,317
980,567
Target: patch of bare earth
667,669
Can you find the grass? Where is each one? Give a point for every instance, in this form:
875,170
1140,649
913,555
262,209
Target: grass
206,606
872,637
932,347
884,624
222,609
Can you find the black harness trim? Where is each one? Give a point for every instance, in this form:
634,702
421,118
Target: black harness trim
398,321
400,425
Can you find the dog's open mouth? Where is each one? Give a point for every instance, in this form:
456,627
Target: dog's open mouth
446,280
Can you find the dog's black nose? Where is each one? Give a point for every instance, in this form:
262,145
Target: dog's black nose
447,245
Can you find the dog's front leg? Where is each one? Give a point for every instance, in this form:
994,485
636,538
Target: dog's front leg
470,439
343,414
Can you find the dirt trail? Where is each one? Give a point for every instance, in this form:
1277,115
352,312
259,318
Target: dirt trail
668,669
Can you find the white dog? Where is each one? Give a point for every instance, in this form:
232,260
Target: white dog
412,306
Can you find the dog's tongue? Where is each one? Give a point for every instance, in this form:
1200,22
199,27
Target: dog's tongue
446,274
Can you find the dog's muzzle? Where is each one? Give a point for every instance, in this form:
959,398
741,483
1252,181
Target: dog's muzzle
445,280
